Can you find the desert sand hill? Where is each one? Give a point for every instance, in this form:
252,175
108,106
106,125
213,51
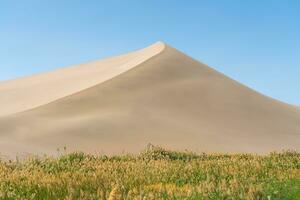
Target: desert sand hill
165,98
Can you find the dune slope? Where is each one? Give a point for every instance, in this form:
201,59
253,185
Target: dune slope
44,88
168,99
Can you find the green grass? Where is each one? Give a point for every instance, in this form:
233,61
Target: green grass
155,173
288,190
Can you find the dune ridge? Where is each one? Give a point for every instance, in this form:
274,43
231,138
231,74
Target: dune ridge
44,88
169,99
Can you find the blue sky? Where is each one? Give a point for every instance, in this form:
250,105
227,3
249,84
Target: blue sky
253,41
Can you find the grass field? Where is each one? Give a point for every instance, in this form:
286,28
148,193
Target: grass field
153,174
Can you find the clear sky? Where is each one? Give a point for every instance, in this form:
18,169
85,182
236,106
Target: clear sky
256,42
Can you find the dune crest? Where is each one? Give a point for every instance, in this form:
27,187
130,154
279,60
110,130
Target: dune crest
33,91
167,99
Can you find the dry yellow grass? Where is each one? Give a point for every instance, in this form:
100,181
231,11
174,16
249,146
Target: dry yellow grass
153,174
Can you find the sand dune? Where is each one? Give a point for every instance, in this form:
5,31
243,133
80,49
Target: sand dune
160,96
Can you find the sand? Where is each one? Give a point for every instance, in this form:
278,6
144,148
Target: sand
157,95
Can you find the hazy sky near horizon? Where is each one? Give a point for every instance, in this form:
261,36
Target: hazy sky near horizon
255,42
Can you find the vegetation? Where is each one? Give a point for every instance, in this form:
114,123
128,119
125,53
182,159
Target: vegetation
153,174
